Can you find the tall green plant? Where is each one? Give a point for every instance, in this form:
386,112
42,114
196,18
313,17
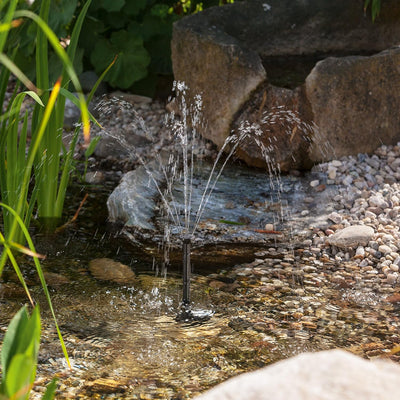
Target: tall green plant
48,162
45,146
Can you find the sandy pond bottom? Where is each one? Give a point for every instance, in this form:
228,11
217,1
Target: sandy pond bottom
124,340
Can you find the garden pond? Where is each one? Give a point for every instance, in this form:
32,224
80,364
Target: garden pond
265,303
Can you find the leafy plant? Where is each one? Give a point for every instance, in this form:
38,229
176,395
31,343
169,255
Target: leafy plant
19,355
48,163
51,170
137,31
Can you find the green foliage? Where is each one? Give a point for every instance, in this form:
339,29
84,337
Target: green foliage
43,156
19,355
375,7
138,31
131,56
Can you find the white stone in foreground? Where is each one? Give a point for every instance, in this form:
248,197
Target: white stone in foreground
327,375
351,237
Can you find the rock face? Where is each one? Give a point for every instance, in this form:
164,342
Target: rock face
354,104
247,71
327,375
237,71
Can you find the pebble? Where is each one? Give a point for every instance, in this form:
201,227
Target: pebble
107,269
352,236
367,198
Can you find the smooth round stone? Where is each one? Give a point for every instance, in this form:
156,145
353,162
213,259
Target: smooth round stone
352,236
106,269
392,278
385,249
335,217
269,227
336,163
348,180
360,251
332,173
378,201
394,267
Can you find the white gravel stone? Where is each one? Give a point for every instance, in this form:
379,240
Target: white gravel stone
348,180
392,278
360,251
385,249
352,236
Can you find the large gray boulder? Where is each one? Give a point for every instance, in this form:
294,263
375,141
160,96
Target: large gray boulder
248,58
327,375
355,103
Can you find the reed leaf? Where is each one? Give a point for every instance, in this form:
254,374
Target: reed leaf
53,40
9,64
50,189
7,20
8,252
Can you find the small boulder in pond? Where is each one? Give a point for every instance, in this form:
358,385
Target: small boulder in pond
109,270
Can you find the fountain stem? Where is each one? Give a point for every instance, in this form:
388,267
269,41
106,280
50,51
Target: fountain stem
186,271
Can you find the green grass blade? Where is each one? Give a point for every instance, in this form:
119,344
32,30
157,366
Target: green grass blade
66,62
15,265
96,85
9,64
9,346
70,96
31,156
50,390
6,20
40,274
73,44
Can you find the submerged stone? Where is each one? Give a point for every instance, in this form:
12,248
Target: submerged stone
109,270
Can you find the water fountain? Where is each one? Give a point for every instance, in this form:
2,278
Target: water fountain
181,216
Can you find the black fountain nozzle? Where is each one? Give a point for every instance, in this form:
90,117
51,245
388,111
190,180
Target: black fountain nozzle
186,270
186,314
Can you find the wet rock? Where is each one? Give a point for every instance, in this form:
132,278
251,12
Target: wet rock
106,269
352,236
95,177
104,386
88,79
54,279
133,201
310,375
393,298
11,291
239,324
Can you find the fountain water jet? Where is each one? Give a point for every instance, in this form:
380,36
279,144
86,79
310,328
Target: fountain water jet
172,168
